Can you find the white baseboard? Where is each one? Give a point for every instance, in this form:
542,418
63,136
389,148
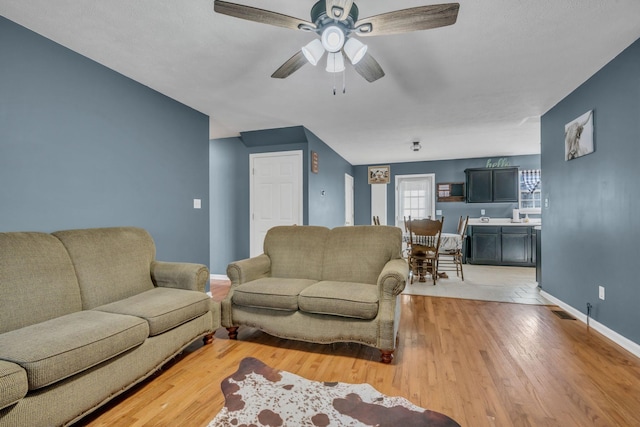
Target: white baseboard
622,341
219,277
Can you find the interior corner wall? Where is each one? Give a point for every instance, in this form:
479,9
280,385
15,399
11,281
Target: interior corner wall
83,146
229,195
326,188
590,229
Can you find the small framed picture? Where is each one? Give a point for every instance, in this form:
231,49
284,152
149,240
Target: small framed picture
379,174
578,137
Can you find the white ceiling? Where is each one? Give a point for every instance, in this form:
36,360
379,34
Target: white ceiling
473,89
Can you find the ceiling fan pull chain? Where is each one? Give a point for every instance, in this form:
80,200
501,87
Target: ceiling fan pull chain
334,84
344,81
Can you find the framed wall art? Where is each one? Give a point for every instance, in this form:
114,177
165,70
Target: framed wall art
578,137
379,174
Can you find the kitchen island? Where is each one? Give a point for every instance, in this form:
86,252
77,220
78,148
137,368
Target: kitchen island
500,241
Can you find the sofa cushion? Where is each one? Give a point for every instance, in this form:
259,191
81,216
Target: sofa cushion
162,308
296,251
37,280
13,383
359,253
358,300
111,263
56,349
271,292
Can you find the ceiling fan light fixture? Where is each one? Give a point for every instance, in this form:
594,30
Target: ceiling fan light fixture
333,38
335,62
355,50
416,146
313,51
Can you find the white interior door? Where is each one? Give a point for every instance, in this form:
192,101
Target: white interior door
348,199
275,194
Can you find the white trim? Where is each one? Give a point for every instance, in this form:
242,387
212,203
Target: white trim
379,202
219,277
349,199
622,341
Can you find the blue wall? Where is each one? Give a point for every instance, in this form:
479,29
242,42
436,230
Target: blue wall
590,229
328,209
445,171
229,184
83,146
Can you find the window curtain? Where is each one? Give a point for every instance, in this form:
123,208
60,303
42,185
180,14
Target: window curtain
531,179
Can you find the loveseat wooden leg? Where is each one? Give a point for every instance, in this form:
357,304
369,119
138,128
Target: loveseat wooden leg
208,339
233,333
386,356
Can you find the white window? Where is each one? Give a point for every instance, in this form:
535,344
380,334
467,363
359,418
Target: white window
415,197
530,193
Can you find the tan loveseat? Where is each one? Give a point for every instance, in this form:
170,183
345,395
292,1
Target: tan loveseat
87,314
320,285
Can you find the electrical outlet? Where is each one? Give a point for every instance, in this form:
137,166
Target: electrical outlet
482,212
438,212
601,292
197,203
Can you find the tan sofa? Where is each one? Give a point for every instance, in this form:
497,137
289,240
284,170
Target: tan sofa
320,285
87,314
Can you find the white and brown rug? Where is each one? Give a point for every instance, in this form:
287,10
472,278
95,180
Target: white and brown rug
258,395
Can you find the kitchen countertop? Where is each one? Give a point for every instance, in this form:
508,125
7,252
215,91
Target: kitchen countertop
502,222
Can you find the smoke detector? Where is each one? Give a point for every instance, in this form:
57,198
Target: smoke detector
416,146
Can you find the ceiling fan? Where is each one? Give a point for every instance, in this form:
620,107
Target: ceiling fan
335,22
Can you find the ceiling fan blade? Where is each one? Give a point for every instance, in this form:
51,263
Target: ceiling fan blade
292,65
407,20
262,16
339,9
369,68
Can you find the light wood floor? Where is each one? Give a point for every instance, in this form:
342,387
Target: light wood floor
481,363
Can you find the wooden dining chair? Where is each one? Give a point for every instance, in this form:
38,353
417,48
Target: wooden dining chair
425,244
450,259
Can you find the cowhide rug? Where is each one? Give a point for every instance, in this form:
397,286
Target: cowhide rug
258,395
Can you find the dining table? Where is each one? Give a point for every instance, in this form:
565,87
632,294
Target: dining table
448,241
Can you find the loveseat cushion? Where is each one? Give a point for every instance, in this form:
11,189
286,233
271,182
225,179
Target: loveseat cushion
271,292
13,383
358,300
58,348
111,263
359,253
37,280
296,252
162,308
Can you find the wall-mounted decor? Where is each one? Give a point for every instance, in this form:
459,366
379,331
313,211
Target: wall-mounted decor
379,174
450,191
578,136
315,166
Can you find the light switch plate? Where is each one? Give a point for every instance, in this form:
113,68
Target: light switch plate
197,203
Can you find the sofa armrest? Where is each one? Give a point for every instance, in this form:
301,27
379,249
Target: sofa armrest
179,275
393,277
249,269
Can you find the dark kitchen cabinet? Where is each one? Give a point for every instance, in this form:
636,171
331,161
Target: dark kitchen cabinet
493,245
516,245
495,185
485,245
